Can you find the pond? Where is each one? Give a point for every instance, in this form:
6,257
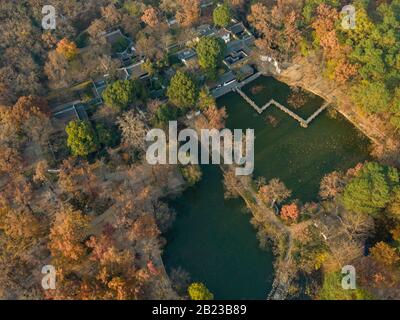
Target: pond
300,157
212,238
214,241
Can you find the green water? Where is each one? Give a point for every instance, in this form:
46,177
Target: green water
299,157
273,89
212,238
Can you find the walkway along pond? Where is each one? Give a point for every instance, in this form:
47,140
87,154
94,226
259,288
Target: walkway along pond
303,122
212,238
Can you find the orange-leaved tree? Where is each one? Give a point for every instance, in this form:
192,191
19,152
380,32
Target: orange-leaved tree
290,212
151,17
67,48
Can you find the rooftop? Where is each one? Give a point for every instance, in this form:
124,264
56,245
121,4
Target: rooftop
135,71
206,30
186,54
114,36
236,46
237,28
226,78
224,35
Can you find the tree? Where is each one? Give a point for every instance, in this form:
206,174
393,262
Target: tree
180,280
291,32
133,130
370,190
357,225
371,96
384,254
122,93
134,8
344,70
339,68
310,6
206,99
188,12
28,105
56,70
67,49
77,178
41,174
148,67
28,118
231,184
332,185
325,32
150,17
222,15
106,135
66,235
10,160
81,138
198,291
395,121
290,212
144,227
396,233
238,4
150,44
216,117
269,37
96,28
164,114
192,174
210,51
274,192
111,15
182,90
18,192
19,224
374,46
38,129
394,205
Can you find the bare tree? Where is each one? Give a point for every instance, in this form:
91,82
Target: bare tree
331,185
231,184
133,130
274,192
357,225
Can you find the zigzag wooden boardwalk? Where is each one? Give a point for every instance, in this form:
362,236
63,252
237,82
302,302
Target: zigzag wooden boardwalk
248,100
296,117
317,113
303,122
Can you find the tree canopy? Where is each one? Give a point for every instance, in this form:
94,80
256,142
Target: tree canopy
371,189
81,138
122,93
222,15
198,291
210,51
67,48
182,90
